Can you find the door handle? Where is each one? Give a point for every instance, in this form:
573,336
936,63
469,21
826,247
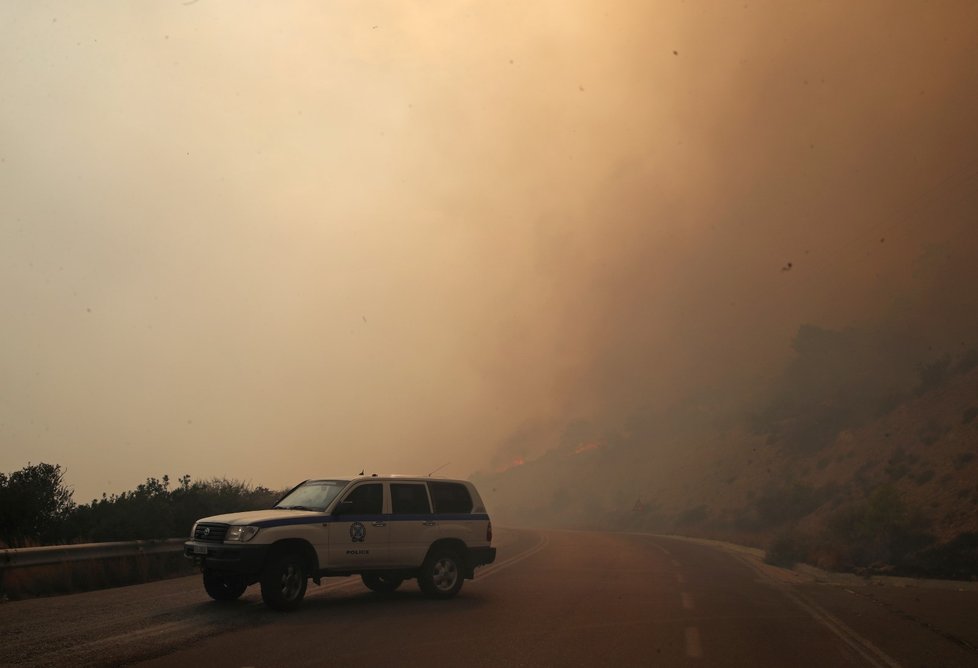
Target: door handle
428,523
380,524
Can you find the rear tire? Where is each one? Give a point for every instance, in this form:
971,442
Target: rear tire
381,583
283,582
441,574
222,587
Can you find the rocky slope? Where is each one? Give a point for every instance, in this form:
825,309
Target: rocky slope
898,492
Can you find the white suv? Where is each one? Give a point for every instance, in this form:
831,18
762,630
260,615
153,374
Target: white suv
386,529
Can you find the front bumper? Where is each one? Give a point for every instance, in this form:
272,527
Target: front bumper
244,559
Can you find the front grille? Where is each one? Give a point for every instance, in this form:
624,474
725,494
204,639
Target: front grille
211,532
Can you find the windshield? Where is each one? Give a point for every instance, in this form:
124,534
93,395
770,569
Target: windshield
312,495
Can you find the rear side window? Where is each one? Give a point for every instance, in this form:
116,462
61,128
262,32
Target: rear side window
450,497
407,499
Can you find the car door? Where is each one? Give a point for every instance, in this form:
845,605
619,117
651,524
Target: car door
359,534
413,527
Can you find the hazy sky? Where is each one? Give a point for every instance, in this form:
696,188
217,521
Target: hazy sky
275,240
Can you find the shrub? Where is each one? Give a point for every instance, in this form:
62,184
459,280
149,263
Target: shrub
957,559
879,529
924,476
777,505
932,431
694,515
900,464
969,414
888,403
967,361
785,550
932,375
33,504
153,510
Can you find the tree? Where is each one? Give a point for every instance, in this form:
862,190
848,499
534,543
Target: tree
33,504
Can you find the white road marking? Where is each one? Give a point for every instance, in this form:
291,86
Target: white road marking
156,630
862,646
324,589
512,561
872,654
687,601
694,648
640,533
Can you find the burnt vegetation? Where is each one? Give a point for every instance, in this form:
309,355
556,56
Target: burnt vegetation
857,457
836,380
871,524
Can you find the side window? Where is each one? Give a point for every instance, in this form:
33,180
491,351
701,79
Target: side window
408,499
450,497
367,499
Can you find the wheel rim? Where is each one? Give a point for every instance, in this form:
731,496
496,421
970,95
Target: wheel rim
291,582
445,574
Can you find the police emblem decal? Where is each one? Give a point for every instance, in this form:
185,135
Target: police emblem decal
357,532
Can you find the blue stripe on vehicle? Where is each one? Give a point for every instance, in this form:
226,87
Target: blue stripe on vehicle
326,519
288,521
441,517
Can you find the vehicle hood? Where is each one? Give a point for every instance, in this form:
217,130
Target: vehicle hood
258,517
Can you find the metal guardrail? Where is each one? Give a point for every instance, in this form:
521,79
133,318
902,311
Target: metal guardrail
58,554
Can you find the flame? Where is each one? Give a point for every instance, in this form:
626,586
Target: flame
519,461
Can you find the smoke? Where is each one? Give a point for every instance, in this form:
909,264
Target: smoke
757,168
394,236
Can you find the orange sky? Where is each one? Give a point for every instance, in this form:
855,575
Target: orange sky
284,239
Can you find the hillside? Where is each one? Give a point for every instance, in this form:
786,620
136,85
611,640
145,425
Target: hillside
898,492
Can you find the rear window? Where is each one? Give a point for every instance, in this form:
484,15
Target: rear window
450,497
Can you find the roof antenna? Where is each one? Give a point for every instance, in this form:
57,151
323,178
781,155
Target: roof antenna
361,471
438,469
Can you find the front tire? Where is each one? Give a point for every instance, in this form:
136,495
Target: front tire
224,588
283,582
381,583
441,574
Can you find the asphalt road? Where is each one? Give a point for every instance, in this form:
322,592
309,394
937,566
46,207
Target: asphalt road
551,599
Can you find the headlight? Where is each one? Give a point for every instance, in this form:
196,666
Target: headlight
241,534
193,530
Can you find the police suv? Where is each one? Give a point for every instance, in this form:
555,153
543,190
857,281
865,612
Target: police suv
386,529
